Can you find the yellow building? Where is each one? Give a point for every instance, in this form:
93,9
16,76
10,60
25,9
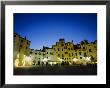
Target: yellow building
64,51
86,49
21,49
60,53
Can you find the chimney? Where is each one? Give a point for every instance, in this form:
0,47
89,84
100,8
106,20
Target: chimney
61,40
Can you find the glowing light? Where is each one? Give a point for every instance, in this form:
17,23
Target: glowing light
88,58
28,61
54,63
45,60
50,63
24,56
18,55
27,58
75,59
70,63
60,60
23,62
16,62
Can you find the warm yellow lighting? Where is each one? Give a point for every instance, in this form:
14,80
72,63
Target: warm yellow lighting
27,58
23,62
60,60
45,60
88,58
54,62
70,63
28,61
75,60
16,62
18,55
50,63
24,56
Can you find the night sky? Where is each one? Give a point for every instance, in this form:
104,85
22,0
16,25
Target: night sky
45,29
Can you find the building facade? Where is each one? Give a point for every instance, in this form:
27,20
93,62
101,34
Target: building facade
20,50
85,49
60,53
65,52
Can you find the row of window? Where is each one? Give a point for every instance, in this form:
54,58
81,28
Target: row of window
62,54
22,46
80,54
62,58
50,53
65,52
66,58
22,40
90,51
64,44
43,54
64,48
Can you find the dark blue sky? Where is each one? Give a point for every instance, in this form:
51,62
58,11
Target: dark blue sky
45,29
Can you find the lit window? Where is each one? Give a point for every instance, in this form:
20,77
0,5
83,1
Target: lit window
66,52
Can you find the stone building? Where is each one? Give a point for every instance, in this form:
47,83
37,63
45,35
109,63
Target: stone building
60,53
20,49
64,51
44,56
86,49
37,56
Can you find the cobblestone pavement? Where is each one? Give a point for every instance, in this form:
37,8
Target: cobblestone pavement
57,70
